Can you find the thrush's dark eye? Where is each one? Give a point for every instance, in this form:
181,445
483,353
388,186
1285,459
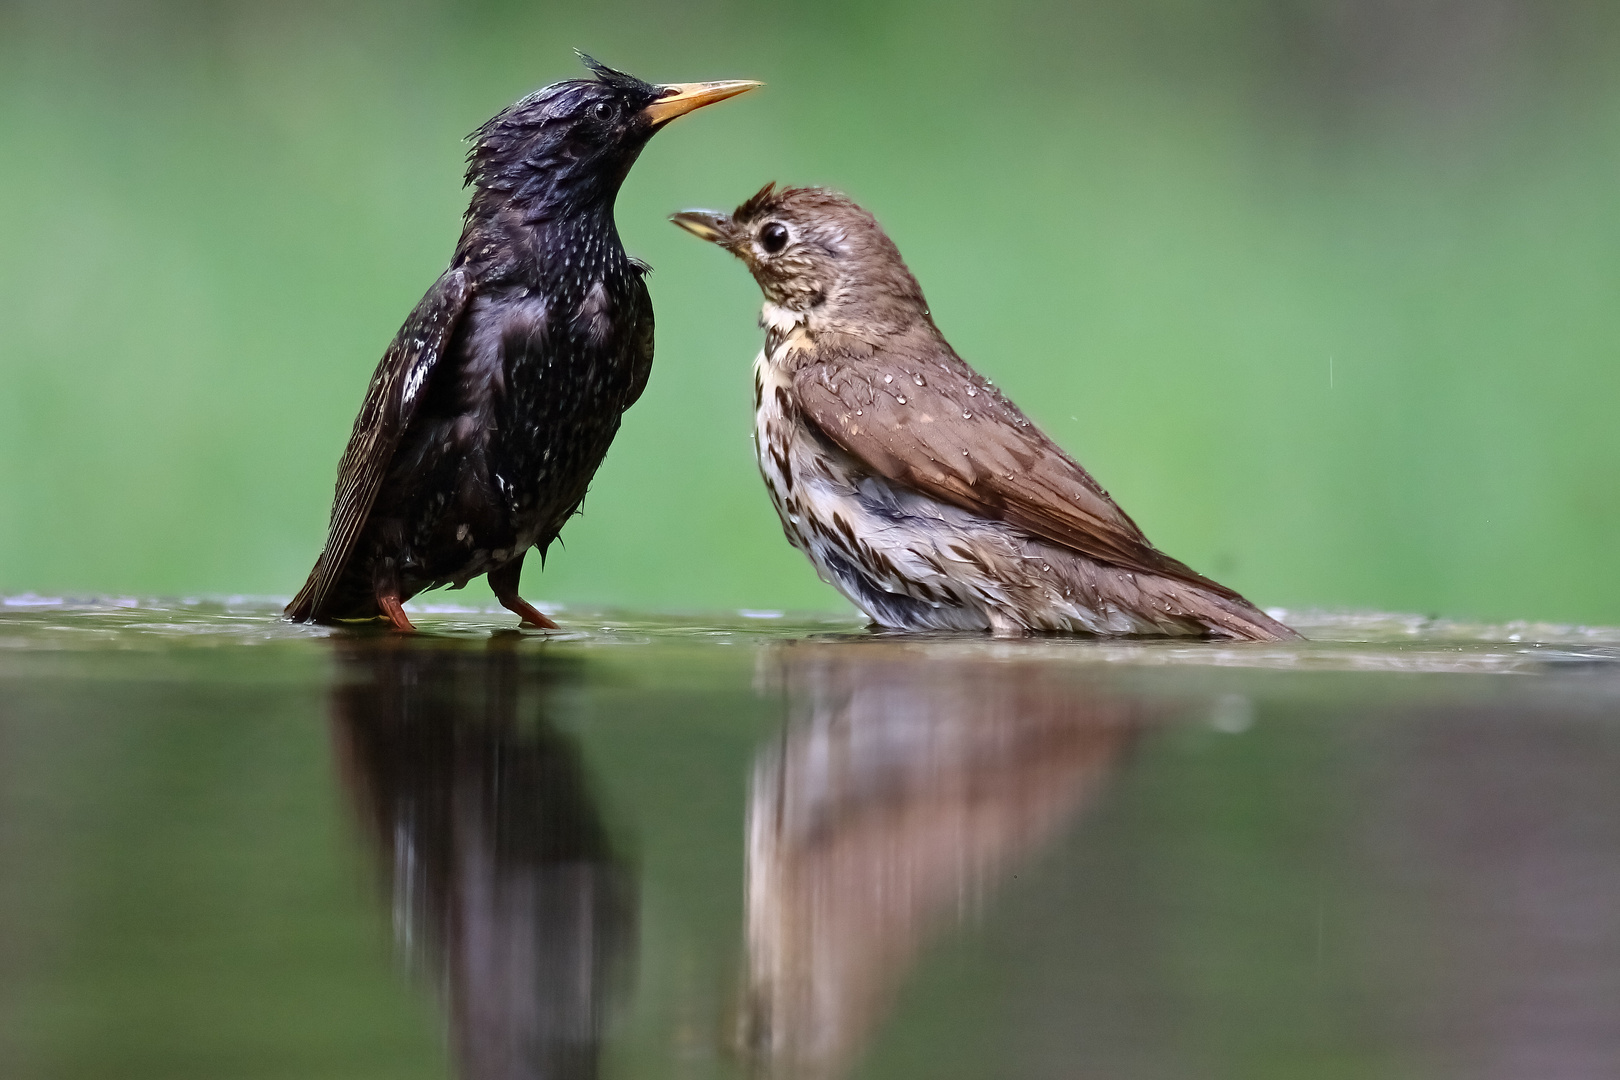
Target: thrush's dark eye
602,111
773,237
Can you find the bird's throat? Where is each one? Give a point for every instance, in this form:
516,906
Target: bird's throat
786,331
783,320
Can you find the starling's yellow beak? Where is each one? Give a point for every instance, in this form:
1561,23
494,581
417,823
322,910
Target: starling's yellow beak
678,99
704,224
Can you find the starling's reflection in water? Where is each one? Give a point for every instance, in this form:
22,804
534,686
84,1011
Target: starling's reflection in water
904,788
504,886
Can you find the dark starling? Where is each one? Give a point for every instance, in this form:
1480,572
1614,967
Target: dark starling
496,402
914,486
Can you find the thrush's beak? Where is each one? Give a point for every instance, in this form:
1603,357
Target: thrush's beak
678,99
707,225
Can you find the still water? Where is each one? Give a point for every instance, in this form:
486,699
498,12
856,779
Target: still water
764,846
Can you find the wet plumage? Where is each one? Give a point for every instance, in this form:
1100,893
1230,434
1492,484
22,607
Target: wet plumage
498,399
914,486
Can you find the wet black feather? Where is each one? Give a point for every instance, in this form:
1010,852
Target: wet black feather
498,401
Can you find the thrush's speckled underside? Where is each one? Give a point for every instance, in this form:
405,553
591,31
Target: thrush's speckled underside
914,486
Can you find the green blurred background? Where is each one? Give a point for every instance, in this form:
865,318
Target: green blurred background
1323,290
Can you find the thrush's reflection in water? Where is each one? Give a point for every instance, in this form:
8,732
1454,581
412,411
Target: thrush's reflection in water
504,885
902,790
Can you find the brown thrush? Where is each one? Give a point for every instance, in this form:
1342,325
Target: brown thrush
914,486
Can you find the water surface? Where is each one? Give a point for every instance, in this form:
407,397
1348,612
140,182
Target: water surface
770,846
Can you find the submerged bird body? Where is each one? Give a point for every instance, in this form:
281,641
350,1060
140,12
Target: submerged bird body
914,486
498,399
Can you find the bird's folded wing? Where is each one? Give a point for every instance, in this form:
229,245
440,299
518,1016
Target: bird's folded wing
939,427
397,388
641,346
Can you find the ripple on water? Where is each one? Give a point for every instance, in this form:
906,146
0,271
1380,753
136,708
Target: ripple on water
1338,641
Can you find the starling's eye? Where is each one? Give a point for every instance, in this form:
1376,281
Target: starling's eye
773,237
602,111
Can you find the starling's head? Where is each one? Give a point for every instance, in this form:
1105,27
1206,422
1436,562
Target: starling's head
569,145
818,255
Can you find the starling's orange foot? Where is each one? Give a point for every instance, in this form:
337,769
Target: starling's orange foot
503,580
395,613
526,611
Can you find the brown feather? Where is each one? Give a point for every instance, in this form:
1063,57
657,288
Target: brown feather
912,485
957,438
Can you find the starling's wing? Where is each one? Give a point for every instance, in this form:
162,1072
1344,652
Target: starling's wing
397,388
641,341
936,425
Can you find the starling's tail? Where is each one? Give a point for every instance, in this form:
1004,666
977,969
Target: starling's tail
302,608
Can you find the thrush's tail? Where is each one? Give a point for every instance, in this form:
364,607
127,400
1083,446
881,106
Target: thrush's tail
1231,616
1177,606
1246,621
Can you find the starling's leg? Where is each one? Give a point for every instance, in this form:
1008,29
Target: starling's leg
394,613
505,583
385,587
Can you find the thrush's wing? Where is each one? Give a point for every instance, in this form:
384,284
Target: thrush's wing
397,387
939,427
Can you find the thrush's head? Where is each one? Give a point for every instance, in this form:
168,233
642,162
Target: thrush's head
817,254
568,146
